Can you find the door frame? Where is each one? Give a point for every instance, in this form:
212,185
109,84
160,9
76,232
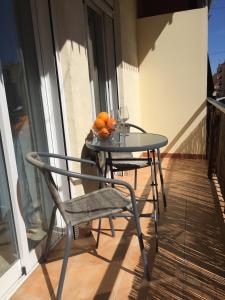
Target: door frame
15,271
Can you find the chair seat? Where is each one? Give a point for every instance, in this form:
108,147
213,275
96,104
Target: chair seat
129,165
98,204
124,161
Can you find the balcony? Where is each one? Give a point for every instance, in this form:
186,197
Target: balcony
156,65
189,265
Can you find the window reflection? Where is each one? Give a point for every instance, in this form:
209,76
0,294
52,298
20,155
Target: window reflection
22,88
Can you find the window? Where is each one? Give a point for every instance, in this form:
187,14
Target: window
102,63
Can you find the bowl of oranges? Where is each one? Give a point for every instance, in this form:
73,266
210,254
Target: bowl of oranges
104,125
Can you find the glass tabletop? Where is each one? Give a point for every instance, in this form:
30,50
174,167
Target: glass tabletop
129,142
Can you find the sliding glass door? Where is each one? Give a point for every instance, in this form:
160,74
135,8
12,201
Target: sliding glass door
25,203
24,101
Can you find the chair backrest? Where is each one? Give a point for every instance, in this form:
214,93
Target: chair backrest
34,158
46,169
128,126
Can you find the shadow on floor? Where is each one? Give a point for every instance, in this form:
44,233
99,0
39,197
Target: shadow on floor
191,259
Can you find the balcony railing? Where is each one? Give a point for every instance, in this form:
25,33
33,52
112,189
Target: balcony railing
216,141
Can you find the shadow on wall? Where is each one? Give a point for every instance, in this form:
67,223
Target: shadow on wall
89,186
196,140
88,169
71,27
150,42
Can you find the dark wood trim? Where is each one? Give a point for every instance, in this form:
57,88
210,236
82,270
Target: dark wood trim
147,8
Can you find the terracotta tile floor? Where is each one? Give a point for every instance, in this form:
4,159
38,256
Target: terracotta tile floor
191,259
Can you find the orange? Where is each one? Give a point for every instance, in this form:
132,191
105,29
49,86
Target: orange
103,116
110,124
99,123
104,132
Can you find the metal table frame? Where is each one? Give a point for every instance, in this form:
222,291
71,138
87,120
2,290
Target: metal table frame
133,142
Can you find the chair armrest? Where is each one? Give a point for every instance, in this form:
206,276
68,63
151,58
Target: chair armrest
65,157
33,158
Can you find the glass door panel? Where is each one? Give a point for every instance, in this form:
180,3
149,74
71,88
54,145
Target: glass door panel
111,62
97,59
8,242
22,87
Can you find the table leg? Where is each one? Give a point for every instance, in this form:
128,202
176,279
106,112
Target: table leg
110,166
161,178
155,179
155,205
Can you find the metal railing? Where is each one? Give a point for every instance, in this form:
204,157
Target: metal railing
215,143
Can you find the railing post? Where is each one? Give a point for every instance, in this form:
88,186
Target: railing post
216,141
210,141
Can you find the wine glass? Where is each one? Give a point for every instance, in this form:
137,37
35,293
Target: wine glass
123,115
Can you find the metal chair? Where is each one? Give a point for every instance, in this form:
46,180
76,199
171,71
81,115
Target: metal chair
94,205
120,162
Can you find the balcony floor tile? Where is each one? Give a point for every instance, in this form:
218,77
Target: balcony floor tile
190,263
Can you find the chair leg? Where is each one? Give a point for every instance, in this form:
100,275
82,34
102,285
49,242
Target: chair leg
135,179
141,245
106,168
69,237
110,166
49,235
161,179
111,226
99,231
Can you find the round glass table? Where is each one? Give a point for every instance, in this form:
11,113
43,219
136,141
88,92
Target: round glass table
132,142
129,142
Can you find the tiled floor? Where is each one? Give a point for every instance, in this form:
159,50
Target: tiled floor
191,259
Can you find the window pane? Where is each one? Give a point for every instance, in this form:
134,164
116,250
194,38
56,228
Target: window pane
97,59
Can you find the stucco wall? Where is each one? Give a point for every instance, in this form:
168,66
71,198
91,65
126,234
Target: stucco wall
172,53
70,32
128,75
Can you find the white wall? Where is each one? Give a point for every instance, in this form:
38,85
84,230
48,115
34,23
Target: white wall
172,53
128,76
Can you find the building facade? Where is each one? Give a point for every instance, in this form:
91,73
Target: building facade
219,81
